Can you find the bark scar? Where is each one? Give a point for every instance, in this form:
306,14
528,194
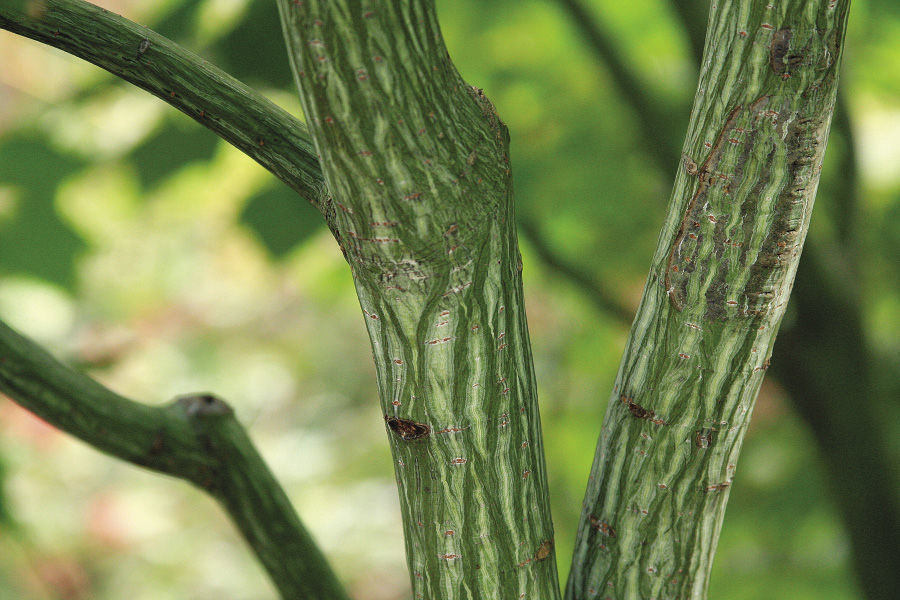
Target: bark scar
407,429
780,62
636,410
602,526
544,551
707,176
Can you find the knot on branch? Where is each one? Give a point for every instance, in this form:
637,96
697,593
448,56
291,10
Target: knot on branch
204,405
489,112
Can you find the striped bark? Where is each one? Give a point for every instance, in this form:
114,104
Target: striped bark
718,287
417,167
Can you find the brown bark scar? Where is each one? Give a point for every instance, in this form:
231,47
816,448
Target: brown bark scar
407,429
636,409
717,487
704,438
778,52
544,551
602,526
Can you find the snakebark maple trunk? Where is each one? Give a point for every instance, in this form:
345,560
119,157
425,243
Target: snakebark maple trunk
420,200
718,287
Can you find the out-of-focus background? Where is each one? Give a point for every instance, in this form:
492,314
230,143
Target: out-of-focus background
136,245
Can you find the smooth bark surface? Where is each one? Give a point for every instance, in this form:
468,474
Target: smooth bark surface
418,168
717,291
195,438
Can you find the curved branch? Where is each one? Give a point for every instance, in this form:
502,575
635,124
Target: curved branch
828,327
195,438
266,133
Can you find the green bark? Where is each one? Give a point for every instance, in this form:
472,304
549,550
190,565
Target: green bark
417,165
717,291
195,438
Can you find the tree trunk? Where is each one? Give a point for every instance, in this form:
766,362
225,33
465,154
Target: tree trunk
717,290
417,166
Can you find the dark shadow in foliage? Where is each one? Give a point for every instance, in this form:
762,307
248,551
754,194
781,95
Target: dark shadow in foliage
178,23
254,51
177,143
35,241
825,364
280,219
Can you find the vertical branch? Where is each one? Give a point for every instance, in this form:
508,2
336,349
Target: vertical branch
417,164
717,291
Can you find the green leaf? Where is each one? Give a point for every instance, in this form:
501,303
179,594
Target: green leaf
257,35
33,238
280,219
177,143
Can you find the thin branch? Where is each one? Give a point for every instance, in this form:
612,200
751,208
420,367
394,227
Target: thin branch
595,291
268,134
195,438
653,124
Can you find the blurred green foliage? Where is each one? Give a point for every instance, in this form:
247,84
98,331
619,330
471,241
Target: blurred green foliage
134,243
34,240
